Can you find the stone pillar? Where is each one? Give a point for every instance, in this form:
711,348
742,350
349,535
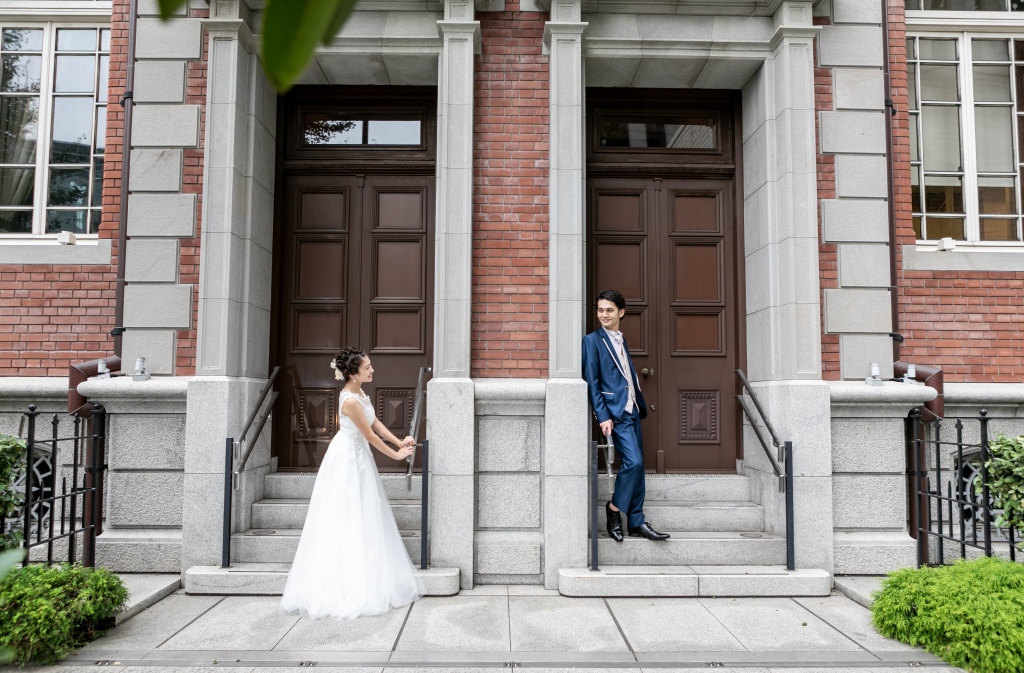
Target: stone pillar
450,416
566,417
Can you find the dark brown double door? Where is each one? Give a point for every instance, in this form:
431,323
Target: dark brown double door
665,234
354,267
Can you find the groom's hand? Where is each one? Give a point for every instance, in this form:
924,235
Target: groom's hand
606,427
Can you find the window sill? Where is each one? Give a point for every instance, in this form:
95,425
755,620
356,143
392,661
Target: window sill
964,258
48,251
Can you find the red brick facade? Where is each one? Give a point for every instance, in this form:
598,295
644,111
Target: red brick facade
510,198
969,323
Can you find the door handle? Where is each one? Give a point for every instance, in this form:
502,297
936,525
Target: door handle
652,408
647,372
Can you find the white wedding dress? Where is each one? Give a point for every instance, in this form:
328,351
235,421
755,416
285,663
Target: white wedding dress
351,561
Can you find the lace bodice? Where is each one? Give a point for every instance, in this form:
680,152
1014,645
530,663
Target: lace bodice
345,423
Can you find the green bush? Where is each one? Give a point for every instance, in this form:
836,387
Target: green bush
12,459
971,613
45,612
1006,480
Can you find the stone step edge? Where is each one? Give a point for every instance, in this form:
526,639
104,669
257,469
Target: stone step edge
248,579
631,582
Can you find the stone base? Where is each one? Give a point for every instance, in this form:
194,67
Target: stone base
140,550
873,553
268,579
861,588
688,581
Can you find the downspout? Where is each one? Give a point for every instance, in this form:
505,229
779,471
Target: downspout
897,338
128,103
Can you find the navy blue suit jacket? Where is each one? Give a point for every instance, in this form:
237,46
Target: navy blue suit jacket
606,382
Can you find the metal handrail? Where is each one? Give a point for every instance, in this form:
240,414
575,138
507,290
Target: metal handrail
242,442
414,423
785,448
609,458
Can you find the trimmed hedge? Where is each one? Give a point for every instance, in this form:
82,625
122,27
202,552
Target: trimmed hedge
971,613
46,612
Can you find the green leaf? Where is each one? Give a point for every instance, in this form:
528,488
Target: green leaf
291,31
169,7
9,559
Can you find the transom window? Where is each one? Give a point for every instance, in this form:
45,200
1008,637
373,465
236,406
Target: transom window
964,141
53,98
966,5
328,128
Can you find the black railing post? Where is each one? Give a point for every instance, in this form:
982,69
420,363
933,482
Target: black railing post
29,460
225,546
790,541
921,535
424,502
938,489
986,514
593,504
93,502
54,469
960,485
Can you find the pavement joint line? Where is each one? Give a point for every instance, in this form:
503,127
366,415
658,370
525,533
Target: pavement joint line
619,626
394,646
827,623
192,621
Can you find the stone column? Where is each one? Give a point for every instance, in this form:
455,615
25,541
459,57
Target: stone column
450,416
566,423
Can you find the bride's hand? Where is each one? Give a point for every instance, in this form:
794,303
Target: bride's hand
408,441
403,452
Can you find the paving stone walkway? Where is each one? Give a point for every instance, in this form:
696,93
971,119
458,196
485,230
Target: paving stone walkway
500,627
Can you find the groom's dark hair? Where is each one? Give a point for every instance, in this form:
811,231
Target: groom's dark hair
612,296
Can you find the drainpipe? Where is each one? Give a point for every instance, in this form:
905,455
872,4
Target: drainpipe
128,104
897,338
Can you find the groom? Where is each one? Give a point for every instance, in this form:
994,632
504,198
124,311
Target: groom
619,406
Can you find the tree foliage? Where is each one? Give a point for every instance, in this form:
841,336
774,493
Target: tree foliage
291,31
1006,481
12,463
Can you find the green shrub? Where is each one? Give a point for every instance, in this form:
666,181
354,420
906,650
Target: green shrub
1006,480
971,613
12,459
45,612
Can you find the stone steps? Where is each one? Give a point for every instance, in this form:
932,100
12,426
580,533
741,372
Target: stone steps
291,513
695,548
278,545
268,579
693,580
299,485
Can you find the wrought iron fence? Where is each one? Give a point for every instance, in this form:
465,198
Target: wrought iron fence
951,510
53,510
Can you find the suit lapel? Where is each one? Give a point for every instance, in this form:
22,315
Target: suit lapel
611,351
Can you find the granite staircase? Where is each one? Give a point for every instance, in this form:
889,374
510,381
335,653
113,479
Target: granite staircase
718,547
262,555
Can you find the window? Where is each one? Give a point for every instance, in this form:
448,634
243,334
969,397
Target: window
964,139
966,5
53,98
327,128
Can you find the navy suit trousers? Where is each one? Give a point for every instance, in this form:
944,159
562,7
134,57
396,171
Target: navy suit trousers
629,483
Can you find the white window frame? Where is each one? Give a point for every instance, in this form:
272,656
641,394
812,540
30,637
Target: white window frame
50,15
963,26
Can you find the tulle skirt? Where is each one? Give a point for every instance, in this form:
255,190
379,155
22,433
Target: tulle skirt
351,561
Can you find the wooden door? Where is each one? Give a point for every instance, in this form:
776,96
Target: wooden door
356,269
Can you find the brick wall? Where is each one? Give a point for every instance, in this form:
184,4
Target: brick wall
969,323
510,198
828,266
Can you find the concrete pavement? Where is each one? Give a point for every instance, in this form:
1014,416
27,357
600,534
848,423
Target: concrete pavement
509,626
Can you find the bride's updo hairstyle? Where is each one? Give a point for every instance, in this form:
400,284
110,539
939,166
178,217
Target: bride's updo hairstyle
346,363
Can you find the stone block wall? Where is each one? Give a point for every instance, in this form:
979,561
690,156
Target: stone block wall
852,189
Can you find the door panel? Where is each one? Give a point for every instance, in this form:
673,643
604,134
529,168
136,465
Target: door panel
357,270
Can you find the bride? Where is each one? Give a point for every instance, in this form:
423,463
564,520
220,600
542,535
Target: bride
351,561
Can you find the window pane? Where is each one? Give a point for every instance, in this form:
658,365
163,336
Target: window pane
1018,49
943,194
69,187
101,129
21,73
321,129
911,49
19,118
393,132
912,86
1020,88
941,137
937,50
917,228
75,74
965,5
72,131
997,196
915,189
97,181
17,185
994,134
670,133
990,50
991,83
912,4
943,227
101,94
938,82
76,221
76,39
105,39
23,40
913,138
15,221
998,230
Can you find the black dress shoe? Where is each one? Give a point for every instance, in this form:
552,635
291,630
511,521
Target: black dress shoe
614,522
645,530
